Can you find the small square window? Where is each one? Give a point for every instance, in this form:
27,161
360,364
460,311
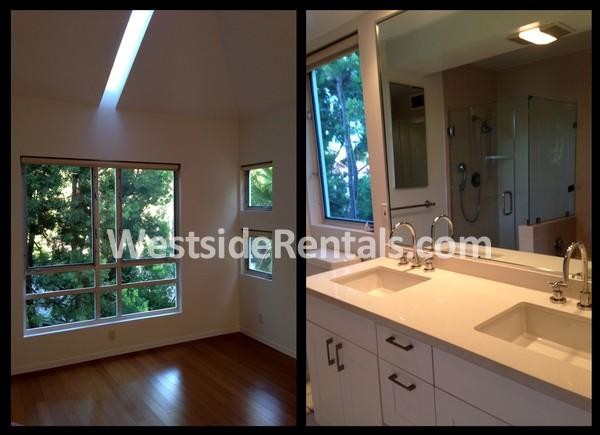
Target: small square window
259,261
258,186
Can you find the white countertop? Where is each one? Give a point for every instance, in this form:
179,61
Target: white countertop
447,308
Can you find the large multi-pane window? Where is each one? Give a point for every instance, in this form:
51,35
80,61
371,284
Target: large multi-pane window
73,276
339,119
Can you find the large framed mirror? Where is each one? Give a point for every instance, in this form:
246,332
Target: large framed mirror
506,124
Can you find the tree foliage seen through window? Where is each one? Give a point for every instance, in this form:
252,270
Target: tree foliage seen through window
260,183
337,94
59,228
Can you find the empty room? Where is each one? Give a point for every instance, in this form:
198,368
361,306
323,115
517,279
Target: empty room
147,149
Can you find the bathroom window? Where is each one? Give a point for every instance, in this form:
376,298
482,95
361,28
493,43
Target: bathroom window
259,261
258,186
72,208
343,157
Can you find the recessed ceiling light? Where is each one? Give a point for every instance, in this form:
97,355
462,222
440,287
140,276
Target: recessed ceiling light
536,36
130,44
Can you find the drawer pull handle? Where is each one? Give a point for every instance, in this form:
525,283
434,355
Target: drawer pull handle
340,367
392,340
330,360
394,378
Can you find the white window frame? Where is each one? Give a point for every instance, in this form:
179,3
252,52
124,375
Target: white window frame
315,201
96,266
246,260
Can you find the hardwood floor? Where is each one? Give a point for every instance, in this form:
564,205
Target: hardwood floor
225,380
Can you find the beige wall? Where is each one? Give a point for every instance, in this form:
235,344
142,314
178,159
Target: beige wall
272,137
469,85
208,153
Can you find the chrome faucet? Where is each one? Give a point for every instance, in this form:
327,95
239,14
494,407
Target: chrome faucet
429,261
415,261
585,295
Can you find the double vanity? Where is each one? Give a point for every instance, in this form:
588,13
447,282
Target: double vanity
467,343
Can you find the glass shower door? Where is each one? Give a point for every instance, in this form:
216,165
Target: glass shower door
552,138
482,178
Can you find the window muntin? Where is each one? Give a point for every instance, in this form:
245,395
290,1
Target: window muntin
61,291
258,186
259,261
336,89
59,215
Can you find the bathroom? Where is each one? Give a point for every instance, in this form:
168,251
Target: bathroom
456,125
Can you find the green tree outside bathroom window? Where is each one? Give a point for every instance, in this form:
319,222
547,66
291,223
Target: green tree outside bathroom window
342,145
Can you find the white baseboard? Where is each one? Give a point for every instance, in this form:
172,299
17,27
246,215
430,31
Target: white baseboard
119,351
270,343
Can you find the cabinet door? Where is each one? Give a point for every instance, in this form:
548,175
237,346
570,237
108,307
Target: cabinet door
360,384
324,378
406,399
451,411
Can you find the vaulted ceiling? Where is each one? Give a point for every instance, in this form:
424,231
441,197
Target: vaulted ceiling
211,64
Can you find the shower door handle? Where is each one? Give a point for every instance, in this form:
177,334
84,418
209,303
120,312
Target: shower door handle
510,202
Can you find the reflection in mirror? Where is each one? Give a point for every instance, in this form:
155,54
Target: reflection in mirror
408,135
514,119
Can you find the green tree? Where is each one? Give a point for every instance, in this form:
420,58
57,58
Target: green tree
341,113
261,186
59,232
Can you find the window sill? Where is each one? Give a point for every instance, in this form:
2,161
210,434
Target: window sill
341,227
77,326
264,277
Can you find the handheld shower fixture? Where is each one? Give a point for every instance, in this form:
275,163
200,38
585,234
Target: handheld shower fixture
476,183
463,170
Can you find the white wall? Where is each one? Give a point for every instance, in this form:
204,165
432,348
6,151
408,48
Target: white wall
208,154
272,137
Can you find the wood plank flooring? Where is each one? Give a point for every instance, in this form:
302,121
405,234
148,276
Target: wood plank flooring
226,380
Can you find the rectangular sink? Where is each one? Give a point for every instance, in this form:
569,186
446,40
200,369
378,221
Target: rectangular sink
563,336
380,281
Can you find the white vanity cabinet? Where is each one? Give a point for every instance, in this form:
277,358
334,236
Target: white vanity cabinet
406,400
342,361
451,411
366,373
344,380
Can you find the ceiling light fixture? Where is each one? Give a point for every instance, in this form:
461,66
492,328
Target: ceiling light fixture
130,44
536,36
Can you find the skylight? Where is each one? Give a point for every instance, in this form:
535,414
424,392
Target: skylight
130,44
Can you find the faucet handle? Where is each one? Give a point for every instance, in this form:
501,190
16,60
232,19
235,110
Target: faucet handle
403,260
557,293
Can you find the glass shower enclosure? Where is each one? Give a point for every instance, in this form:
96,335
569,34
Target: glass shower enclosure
512,163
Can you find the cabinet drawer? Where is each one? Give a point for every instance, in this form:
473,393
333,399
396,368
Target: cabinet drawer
504,398
356,328
450,411
405,399
405,352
